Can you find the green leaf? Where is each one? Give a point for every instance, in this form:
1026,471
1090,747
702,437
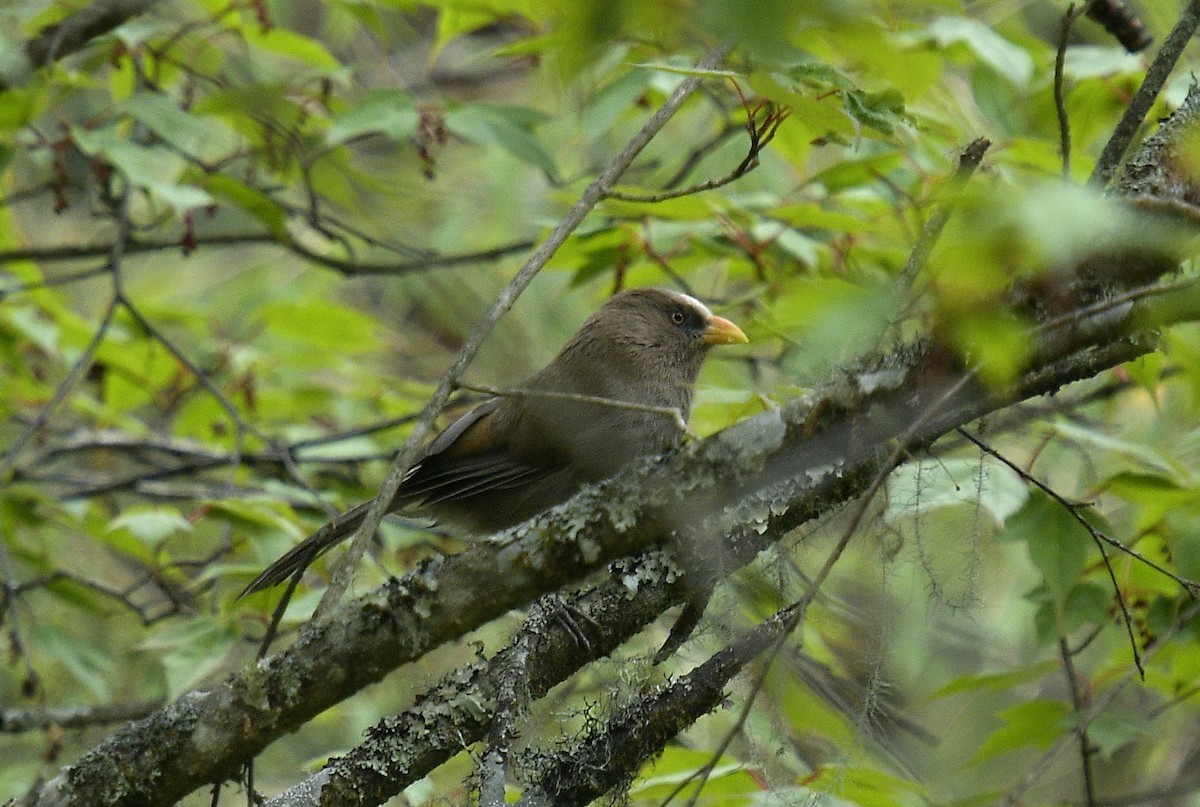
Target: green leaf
510,128
1092,61
1116,727
811,215
830,320
863,786
387,112
1057,543
880,111
151,524
155,168
85,663
1147,371
1005,58
1148,457
988,484
255,513
1037,724
1181,526
997,682
250,199
293,45
202,137
995,342
728,781
191,650
1087,604
324,324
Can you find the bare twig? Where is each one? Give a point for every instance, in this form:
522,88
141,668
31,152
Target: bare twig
1078,704
1099,706
762,122
15,721
517,392
968,162
1060,102
76,31
1097,535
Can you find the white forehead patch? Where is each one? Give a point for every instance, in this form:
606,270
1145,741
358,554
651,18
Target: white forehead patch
686,299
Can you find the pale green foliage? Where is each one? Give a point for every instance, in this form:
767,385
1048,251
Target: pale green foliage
381,133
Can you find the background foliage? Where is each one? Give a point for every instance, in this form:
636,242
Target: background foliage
241,241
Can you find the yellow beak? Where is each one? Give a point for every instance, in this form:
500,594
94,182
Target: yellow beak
721,331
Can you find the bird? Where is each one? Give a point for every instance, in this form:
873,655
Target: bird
619,389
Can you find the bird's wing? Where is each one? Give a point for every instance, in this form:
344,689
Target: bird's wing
471,456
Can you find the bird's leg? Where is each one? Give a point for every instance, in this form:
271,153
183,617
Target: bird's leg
700,576
577,623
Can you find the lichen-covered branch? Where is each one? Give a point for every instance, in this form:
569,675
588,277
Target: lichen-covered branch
761,478
739,490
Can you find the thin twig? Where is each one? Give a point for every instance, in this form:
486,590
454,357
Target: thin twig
76,252
968,162
1099,706
1156,77
16,721
1060,103
762,122
517,392
1077,702
800,608
1097,536
240,425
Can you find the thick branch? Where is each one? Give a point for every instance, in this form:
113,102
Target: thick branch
75,32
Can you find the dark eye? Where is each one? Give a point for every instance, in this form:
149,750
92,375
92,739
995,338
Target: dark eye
678,317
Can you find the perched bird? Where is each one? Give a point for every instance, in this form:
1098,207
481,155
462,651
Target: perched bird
512,457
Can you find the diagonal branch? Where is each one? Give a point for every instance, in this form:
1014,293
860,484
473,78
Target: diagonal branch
75,32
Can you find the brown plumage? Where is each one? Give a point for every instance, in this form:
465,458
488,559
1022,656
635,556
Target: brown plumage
513,457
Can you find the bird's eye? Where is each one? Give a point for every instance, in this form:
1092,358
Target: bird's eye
678,317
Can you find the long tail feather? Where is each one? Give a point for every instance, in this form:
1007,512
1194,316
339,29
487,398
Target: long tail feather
308,550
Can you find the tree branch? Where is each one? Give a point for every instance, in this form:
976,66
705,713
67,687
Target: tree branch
762,477
75,32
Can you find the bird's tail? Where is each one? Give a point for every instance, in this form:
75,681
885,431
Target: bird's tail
308,550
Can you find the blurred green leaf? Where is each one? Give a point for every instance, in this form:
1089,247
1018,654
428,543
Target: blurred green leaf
191,650
323,324
294,45
202,137
1113,729
1057,543
916,488
262,207
1147,457
996,343
997,682
728,780
510,128
1007,59
151,524
387,112
154,168
87,664
1036,724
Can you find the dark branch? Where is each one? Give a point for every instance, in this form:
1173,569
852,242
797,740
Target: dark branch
1156,77
76,31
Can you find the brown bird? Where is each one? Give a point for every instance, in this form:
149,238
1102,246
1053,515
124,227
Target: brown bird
512,457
